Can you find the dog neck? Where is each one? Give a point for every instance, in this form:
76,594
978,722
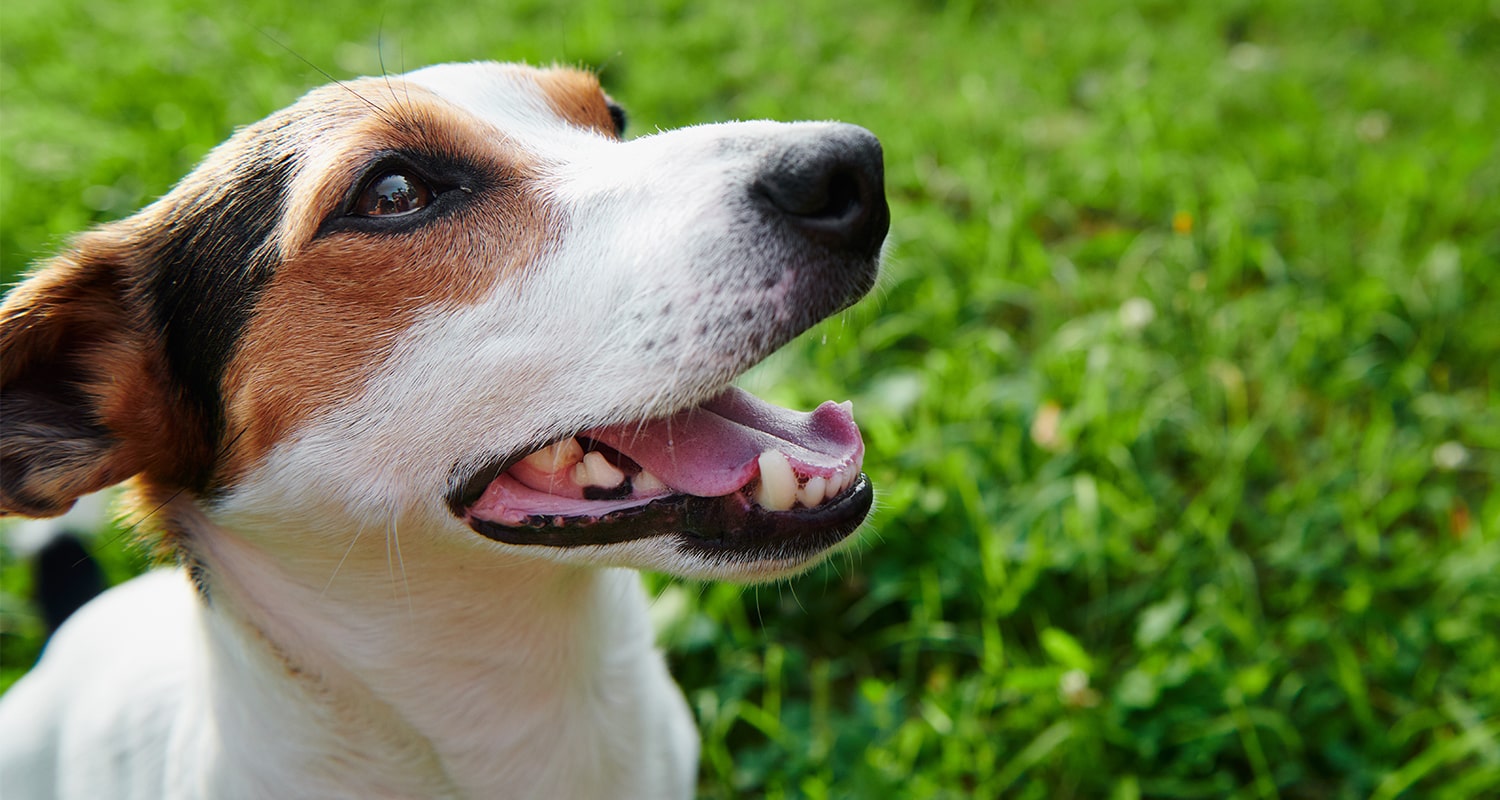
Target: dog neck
403,668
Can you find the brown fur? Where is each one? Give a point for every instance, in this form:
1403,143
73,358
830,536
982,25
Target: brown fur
576,97
71,336
322,325
334,308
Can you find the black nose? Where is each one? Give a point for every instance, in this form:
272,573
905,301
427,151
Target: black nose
829,183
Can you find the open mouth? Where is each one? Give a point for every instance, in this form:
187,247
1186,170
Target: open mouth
735,476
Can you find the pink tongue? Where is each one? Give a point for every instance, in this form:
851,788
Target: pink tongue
712,450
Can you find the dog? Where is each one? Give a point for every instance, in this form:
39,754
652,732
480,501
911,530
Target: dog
410,378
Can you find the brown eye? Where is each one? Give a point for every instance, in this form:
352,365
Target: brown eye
392,195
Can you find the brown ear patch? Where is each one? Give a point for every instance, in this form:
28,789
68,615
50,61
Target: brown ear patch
576,97
80,390
114,353
51,457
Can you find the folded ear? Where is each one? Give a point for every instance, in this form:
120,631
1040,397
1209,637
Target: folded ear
77,382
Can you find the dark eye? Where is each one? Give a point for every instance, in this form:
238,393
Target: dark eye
392,194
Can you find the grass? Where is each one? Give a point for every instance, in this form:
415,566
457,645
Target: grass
1179,389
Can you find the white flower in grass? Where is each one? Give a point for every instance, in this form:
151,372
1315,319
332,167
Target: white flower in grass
1073,687
1373,126
1136,313
1247,57
1046,427
1449,456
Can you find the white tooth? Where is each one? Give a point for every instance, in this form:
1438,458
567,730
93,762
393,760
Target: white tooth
778,484
646,483
580,474
602,473
845,477
556,457
811,494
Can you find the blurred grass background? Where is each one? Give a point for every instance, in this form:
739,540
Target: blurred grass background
1179,388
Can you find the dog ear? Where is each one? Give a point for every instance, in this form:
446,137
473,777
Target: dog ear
77,381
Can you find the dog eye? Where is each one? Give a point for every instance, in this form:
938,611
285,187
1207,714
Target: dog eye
392,194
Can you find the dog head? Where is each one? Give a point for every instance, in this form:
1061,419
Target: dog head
457,299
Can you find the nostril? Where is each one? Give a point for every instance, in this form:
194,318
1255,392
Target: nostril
813,191
843,196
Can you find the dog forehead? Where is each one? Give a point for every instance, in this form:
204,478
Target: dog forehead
524,102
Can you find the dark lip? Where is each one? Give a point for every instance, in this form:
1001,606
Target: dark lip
730,525
465,490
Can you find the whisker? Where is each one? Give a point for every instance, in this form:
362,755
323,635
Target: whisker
405,85
340,565
377,109
405,582
390,559
384,73
792,587
760,619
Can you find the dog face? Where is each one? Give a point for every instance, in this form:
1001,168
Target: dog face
457,301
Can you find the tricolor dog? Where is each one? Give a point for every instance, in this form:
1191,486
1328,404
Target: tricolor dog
411,377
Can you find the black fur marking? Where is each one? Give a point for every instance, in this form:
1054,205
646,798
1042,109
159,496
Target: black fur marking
618,116
208,273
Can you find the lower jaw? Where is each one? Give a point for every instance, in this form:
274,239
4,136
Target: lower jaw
730,528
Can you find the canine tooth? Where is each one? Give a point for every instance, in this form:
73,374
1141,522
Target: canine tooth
600,472
778,484
556,457
646,483
812,493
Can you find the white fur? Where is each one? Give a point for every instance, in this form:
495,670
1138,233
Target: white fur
359,640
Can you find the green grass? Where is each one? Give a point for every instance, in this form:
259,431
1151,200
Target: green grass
1179,389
